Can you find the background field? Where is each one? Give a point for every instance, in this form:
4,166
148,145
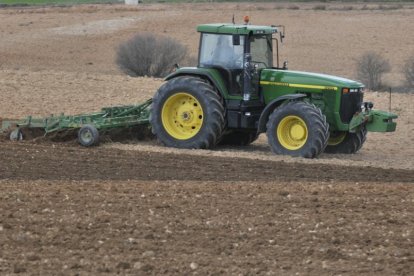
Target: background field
140,208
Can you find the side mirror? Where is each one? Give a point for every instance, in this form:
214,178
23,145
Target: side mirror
236,40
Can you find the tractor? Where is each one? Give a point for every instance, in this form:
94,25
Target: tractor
235,93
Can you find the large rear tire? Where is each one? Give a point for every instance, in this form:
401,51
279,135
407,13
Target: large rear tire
187,113
239,138
297,129
346,142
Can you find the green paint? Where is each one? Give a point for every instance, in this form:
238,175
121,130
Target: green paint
324,90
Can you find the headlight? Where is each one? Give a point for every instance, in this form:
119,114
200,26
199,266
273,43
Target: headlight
346,90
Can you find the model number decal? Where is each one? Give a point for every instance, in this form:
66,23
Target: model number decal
299,85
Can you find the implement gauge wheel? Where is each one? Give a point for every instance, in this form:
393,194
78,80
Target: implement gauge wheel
88,136
16,135
297,129
187,113
346,142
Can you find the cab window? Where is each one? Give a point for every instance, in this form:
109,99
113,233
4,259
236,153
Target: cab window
218,50
261,50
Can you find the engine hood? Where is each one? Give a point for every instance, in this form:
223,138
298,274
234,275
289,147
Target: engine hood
306,78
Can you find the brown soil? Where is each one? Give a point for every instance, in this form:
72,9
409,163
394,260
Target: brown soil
139,208
25,161
170,227
96,210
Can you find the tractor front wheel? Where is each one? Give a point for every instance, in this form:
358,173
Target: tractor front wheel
346,142
187,113
297,129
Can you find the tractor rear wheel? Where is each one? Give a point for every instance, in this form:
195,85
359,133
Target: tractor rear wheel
239,138
297,129
187,113
346,142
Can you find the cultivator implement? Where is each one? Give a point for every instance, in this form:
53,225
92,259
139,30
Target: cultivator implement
88,125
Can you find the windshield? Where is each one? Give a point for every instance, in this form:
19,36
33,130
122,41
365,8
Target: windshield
218,50
261,50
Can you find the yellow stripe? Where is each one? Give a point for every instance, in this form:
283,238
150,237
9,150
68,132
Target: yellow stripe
313,86
299,85
274,83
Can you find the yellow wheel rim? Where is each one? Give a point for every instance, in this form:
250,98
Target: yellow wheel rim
182,116
336,139
292,132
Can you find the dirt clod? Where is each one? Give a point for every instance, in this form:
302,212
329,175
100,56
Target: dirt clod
19,268
193,265
148,254
123,265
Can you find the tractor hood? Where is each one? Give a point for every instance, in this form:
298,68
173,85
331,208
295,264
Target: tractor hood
306,79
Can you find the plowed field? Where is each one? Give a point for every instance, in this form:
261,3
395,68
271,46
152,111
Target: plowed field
138,208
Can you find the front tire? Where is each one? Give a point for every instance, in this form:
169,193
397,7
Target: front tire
187,113
346,142
297,129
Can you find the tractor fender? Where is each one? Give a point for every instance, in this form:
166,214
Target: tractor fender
272,106
207,74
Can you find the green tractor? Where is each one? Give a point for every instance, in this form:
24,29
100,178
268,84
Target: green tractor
235,93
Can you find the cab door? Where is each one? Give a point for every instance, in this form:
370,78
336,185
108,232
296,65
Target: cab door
225,54
260,54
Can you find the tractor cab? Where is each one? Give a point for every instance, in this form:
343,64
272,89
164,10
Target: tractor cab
238,52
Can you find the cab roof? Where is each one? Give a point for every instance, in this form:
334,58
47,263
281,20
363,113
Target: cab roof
225,28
